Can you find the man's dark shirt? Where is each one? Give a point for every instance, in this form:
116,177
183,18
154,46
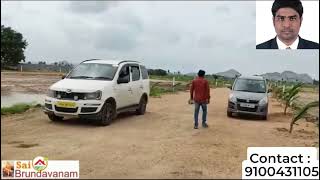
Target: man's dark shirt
303,44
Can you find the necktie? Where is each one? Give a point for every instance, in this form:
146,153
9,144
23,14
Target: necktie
288,48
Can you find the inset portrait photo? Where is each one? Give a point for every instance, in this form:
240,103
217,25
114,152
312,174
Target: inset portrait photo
287,24
7,168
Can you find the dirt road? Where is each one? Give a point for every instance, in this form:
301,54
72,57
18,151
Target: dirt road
160,144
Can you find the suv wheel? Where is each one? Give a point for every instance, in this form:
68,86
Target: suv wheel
142,106
107,114
53,117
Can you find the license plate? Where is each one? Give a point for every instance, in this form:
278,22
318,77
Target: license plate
65,104
247,105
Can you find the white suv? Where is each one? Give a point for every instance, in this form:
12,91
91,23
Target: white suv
99,90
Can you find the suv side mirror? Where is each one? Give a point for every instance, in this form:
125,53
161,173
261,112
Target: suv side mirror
63,76
122,80
229,86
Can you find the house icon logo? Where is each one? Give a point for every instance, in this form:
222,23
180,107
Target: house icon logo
40,163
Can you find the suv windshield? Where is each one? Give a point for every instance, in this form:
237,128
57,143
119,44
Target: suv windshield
93,71
250,85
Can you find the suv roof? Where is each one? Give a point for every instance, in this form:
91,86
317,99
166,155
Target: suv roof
104,61
251,77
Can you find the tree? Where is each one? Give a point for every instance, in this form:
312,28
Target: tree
12,47
215,77
158,72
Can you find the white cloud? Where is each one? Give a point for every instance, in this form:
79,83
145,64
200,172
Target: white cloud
180,35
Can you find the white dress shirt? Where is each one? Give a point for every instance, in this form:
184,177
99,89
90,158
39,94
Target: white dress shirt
294,45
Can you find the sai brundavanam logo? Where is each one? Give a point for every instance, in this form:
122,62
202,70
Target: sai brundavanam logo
40,163
39,168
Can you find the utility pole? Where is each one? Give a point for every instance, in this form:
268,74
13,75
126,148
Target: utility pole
173,83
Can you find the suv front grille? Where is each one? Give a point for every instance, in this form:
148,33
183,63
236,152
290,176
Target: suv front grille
245,100
69,96
67,110
88,109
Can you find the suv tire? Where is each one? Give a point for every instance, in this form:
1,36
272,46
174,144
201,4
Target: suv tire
264,117
53,117
106,114
229,114
142,106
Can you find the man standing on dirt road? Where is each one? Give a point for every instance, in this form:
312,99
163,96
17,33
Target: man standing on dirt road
200,94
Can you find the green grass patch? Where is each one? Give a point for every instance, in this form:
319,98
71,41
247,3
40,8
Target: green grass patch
183,78
158,91
18,108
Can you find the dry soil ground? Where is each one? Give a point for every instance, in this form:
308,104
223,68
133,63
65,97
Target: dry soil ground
160,144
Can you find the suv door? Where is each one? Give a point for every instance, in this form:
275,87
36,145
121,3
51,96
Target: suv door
137,86
123,90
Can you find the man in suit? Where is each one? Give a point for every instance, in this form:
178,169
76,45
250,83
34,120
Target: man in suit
287,19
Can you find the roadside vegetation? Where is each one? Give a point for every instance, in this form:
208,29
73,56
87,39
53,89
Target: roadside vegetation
178,82
288,94
301,113
159,88
18,108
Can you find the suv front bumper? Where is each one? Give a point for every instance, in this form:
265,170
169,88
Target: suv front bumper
258,110
81,108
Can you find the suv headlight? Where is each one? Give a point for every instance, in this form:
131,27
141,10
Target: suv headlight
232,98
51,93
263,101
93,95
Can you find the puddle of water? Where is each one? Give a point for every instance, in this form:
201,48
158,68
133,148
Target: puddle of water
14,98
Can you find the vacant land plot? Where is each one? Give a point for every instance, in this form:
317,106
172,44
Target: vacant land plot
27,82
160,144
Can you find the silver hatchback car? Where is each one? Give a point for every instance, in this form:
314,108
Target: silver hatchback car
249,95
